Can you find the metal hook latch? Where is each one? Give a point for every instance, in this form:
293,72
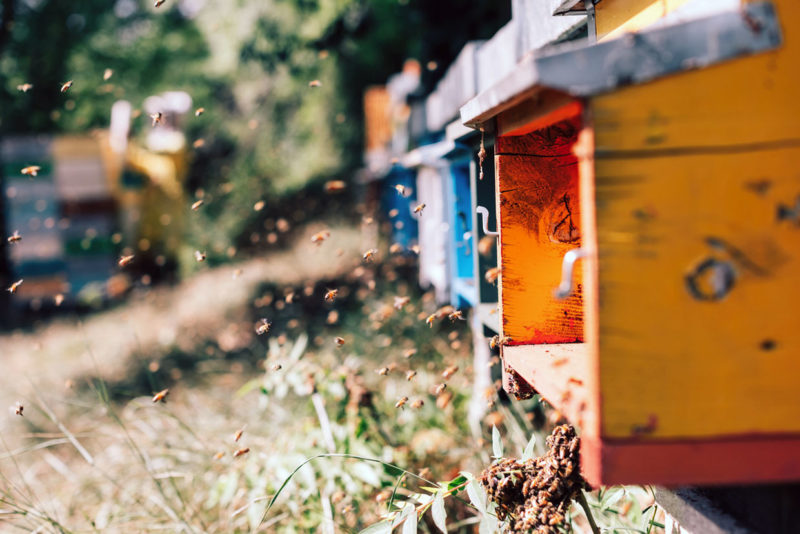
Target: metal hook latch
484,214
567,266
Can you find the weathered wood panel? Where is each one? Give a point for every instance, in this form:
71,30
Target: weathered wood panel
540,221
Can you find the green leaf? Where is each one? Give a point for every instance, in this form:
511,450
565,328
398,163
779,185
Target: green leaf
497,443
438,512
476,495
361,427
459,480
527,454
384,527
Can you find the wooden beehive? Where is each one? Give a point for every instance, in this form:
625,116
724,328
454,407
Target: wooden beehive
669,158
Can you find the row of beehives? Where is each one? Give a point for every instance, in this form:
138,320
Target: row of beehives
642,183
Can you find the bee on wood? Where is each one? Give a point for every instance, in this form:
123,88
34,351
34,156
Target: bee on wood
31,170
199,111
410,375
243,450
319,237
18,408
419,208
402,190
440,389
238,435
58,299
417,404
335,186
13,287
457,314
25,87
330,296
315,83
383,371
409,353
276,367
158,3
161,396
156,117
492,274
449,372
197,204
400,302
402,402
199,256
339,341
262,326
15,237
107,74
65,86
370,254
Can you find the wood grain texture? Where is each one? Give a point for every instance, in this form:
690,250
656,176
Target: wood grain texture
539,213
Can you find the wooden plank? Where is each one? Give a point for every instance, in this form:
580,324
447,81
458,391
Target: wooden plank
539,222
559,373
750,460
683,354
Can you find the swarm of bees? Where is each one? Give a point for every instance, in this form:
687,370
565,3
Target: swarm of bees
199,111
15,237
65,86
196,205
161,396
448,373
314,83
330,295
492,274
402,402
370,254
402,190
13,287
335,186
417,404
25,87
18,408
319,237
262,326
410,375
339,341
125,260
156,117
107,74
199,256
456,315
400,302
243,450
31,170
158,3
419,207
238,435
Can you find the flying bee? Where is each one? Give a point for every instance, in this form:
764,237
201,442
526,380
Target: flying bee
457,314
314,83
262,326
402,190
339,341
402,402
199,143
13,287
492,274
258,206
414,249
449,372
319,237
25,87
276,367
107,74
419,208
409,353
31,170
395,248
161,395
383,371
199,256
15,237
243,450
440,389
199,111
238,435
18,407
370,254
196,205
58,299
335,186
330,296
156,117
219,456
158,3
410,375
65,86
431,318
417,404
400,302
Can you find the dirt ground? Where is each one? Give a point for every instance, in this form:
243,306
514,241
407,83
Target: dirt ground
103,344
